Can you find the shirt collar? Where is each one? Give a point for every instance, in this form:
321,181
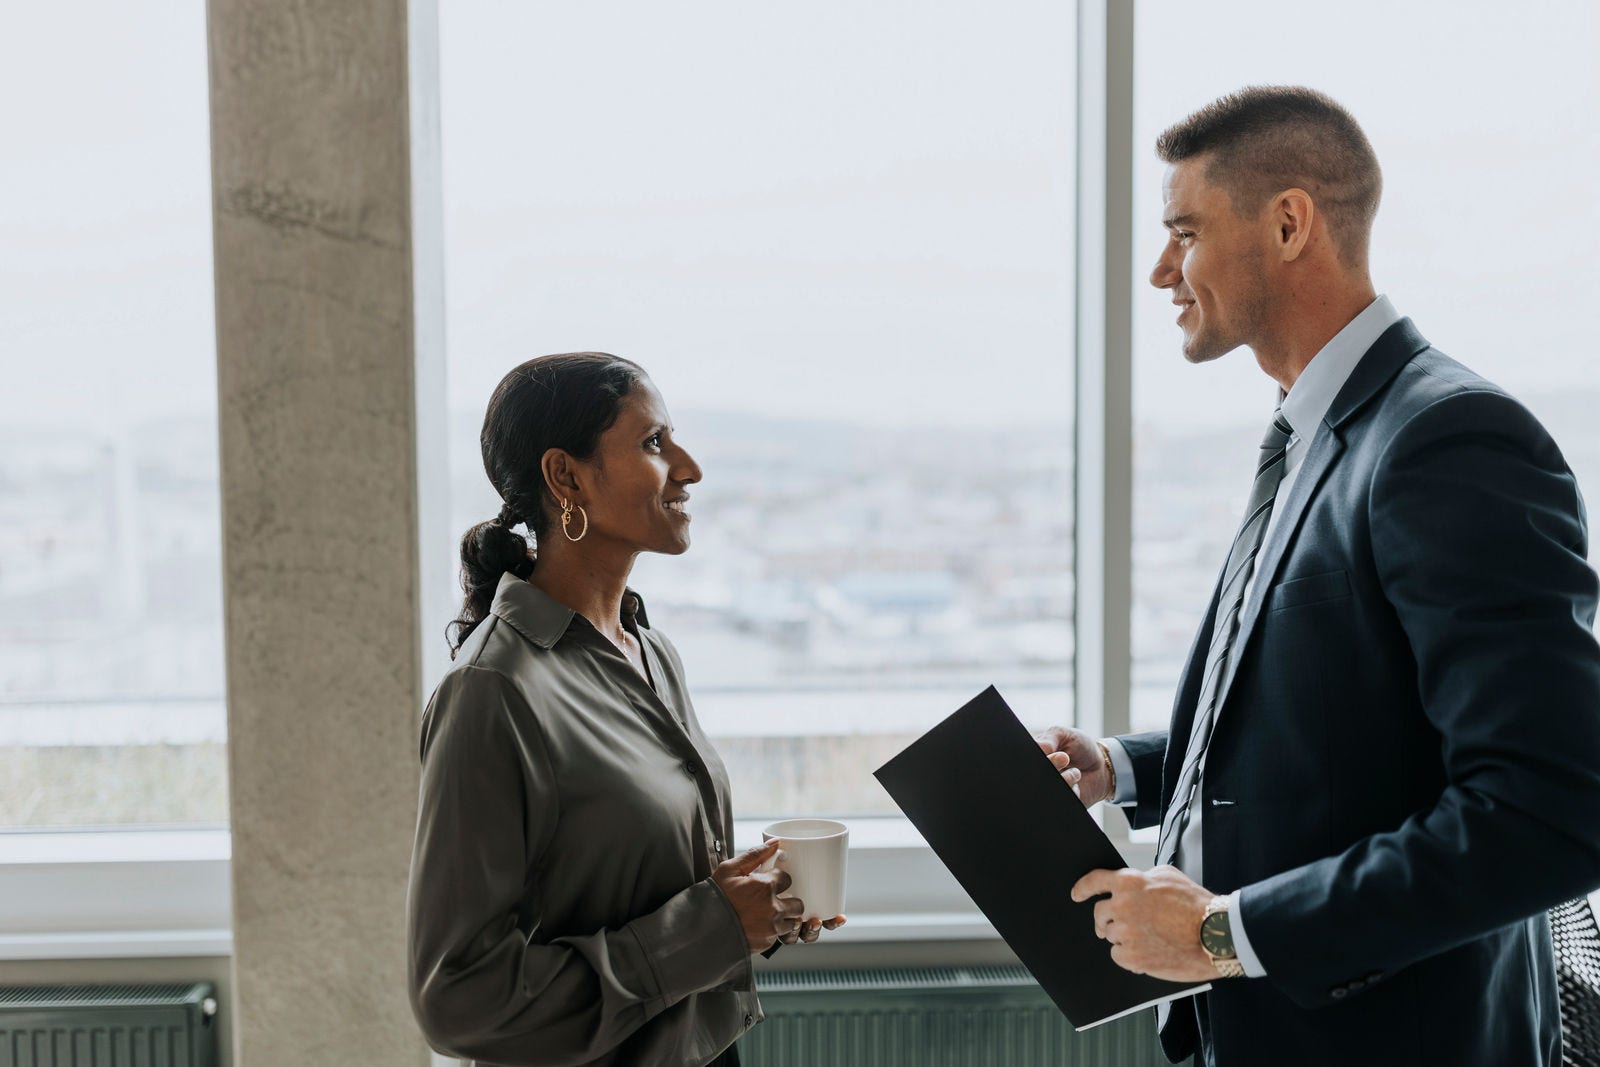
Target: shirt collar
543,619
1314,391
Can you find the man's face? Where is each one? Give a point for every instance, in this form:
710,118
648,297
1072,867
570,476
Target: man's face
1214,263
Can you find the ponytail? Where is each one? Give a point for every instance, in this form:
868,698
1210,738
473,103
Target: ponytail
488,551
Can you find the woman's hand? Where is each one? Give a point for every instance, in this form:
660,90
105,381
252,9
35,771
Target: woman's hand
1077,756
811,929
754,895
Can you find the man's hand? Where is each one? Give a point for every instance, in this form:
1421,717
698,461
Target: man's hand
1152,919
1077,756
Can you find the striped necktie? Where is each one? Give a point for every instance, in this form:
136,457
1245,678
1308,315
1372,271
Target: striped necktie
1241,562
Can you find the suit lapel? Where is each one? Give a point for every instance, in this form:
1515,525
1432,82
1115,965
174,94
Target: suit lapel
1326,447
1377,368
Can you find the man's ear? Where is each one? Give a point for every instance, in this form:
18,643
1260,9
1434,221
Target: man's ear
1293,214
560,474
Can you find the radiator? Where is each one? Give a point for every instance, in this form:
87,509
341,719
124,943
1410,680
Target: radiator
109,1026
945,1017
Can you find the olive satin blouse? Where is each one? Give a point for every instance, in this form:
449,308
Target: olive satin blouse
561,908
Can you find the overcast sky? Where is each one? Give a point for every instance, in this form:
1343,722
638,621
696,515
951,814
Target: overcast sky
855,210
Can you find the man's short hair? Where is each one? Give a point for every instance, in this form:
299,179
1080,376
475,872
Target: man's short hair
1265,139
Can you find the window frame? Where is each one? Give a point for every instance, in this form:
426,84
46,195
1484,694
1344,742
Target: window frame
170,891
167,892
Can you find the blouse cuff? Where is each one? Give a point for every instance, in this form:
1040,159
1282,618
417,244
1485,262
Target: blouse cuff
693,942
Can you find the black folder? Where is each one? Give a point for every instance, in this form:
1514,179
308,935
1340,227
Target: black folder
1013,833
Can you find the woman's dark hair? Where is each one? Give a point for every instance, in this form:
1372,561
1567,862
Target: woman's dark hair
565,401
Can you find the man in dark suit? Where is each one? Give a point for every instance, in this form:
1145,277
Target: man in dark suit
1383,764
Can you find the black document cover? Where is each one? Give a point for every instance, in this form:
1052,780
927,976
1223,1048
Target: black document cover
1016,837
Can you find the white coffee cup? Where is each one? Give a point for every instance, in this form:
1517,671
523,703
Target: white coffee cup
814,853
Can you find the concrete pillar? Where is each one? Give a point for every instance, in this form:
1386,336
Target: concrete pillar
325,187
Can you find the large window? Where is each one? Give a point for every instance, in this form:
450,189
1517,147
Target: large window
839,236
111,659
1488,148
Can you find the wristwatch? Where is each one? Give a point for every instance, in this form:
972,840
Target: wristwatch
1216,937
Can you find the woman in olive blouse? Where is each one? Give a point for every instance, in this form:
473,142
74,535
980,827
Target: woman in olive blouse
572,900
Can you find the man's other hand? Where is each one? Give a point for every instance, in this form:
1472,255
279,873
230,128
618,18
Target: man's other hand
1152,919
1077,756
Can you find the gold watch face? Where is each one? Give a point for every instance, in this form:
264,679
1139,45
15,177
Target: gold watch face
1216,937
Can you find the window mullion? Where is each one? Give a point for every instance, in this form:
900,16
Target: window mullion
1104,423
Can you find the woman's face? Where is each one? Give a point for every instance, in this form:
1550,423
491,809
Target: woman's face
636,484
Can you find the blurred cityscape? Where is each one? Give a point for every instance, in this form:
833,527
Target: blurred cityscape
847,587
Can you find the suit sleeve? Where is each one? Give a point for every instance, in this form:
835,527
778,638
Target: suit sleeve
1146,752
483,985
1479,541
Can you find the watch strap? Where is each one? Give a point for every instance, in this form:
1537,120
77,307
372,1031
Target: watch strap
1228,968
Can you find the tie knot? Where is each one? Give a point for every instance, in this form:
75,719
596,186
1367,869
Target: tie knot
1278,434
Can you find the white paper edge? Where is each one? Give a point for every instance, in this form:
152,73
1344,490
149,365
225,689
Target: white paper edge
1191,991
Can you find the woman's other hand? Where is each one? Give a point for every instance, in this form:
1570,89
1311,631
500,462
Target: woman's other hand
811,929
754,894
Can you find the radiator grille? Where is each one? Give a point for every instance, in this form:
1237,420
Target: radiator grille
108,1026
935,1017
903,979
70,996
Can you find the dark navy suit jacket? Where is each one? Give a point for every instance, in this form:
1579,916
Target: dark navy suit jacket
1405,772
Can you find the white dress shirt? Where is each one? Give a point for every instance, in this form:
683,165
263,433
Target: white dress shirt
1304,408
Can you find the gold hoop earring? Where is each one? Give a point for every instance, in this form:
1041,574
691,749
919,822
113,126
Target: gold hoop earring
566,520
